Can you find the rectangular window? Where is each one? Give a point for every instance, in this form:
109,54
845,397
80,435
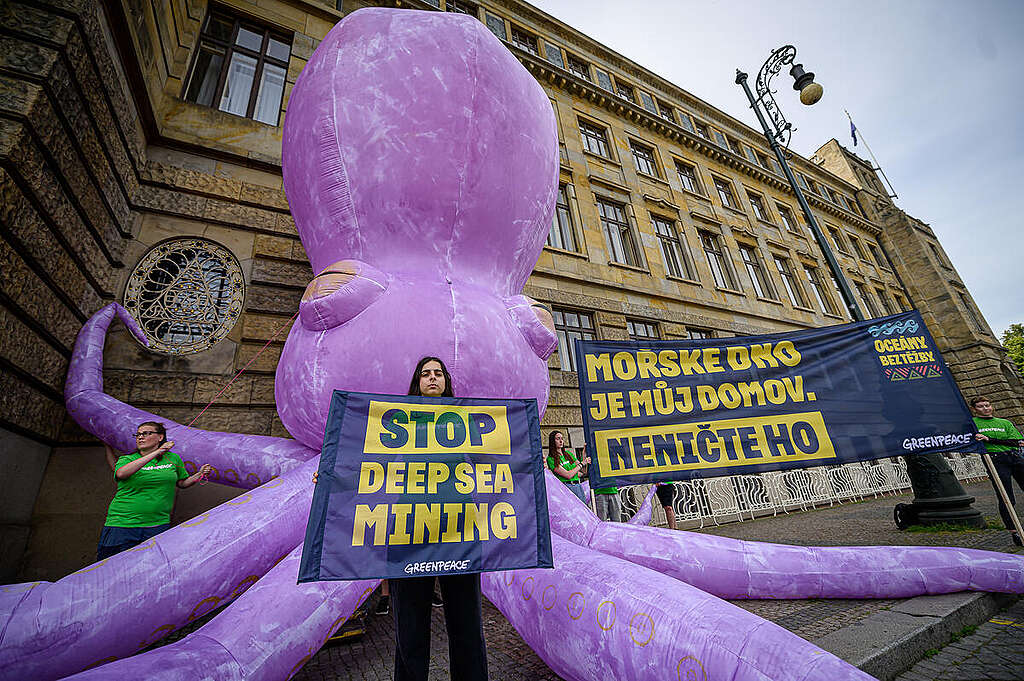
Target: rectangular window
595,139
647,102
677,264
755,269
684,120
901,304
734,146
839,292
702,130
802,180
562,234
640,330
757,203
570,325
578,67
554,55
788,218
724,189
825,302
876,253
858,248
496,25
718,260
625,91
837,239
869,302
886,302
461,7
789,281
666,112
619,233
939,256
603,79
763,161
644,159
971,313
688,177
524,40
696,333
240,68
719,139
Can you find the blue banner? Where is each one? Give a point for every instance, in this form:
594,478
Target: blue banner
673,410
416,486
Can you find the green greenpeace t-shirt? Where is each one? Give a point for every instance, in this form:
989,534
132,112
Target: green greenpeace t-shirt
997,429
567,461
146,498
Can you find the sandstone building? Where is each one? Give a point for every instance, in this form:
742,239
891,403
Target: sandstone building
140,149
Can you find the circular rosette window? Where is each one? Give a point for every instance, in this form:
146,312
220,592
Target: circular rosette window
186,295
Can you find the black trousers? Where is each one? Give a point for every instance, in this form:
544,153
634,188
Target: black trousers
410,604
1009,466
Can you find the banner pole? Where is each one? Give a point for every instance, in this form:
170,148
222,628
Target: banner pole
991,467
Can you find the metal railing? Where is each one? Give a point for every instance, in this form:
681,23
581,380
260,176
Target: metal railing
729,498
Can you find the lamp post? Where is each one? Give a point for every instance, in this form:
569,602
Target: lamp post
938,495
810,92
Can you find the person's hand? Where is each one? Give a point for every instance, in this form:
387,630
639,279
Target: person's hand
316,474
166,447
980,437
205,469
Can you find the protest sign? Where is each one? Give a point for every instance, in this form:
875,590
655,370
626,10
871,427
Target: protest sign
417,486
674,410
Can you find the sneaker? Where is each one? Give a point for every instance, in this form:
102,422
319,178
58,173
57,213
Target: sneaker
436,601
383,606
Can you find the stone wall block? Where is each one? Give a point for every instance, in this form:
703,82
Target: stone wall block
163,387
279,272
25,58
118,384
209,388
262,390
27,408
23,348
29,292
198,181
264,327
274,246
262,196
233,420
267,360
35,22
272,299
238,215
18,96
171,202
284,224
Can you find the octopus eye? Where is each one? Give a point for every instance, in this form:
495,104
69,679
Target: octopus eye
535,323
341,291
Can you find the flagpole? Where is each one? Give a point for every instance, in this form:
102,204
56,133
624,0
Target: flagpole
878,166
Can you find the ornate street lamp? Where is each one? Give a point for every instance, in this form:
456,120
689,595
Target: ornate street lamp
938,495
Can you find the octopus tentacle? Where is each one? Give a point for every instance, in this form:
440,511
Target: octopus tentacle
269,632
238,460
733,568
642,517
588,621
122,604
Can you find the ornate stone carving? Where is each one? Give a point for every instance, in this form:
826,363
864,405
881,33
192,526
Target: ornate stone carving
186,294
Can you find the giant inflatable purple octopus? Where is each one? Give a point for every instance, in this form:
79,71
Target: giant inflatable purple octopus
420,164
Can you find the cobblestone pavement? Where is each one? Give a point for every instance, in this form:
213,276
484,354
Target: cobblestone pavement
993,652
864,523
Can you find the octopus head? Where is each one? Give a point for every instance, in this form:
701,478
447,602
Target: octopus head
420,164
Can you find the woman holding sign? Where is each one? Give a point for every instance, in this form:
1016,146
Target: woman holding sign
564,464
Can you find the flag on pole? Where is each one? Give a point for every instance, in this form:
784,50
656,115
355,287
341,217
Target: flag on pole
853,132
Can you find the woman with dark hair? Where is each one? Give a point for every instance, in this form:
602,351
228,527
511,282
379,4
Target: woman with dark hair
563,463
411,596
146,482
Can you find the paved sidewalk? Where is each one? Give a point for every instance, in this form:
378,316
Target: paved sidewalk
992,652
850,628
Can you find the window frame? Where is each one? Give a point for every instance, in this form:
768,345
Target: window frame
571,61
792,225
563,191
633,324
596,128
820,291
637,149
790,282
525,45
698,187
758,201
228,49
623,240
756,270
566,333
720,265
865,297
727,191
673,237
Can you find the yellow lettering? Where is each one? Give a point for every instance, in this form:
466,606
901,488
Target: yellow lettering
395,478
503,479
503,521
463,479
436,474
365,517
371,477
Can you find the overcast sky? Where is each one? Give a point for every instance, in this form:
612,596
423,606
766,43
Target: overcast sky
934,86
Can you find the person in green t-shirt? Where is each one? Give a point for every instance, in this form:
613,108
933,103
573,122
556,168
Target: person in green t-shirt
146,482
606,500
564,465
1003,443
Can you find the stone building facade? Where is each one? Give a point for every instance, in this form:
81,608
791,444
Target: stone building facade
137,137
